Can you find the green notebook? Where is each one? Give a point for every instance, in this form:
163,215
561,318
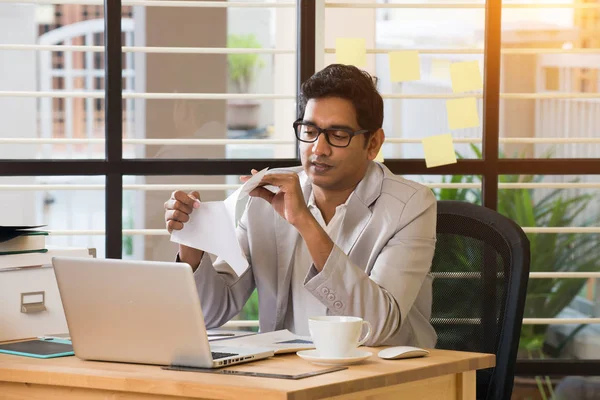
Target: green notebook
22,242
6,253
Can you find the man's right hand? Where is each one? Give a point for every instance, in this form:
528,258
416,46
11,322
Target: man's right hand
178,209
177,212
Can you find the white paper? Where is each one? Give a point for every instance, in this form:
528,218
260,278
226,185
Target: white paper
272,340
218,334
252,183
212,226
218,337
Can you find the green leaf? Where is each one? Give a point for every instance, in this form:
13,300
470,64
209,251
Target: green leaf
243,67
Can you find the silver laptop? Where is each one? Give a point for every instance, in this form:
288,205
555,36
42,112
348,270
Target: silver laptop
139,312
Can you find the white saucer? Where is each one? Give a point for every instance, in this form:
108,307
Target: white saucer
313,357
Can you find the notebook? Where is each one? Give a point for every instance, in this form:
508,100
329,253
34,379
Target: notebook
21,240
39,348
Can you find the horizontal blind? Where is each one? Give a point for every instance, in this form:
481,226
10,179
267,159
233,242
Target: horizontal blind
291,4
220,142
227,50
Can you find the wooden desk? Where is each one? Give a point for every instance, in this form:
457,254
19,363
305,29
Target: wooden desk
442,375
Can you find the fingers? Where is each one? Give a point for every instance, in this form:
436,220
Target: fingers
186,198
175,219
195,196
178,209
174,226
262,193
246,178
178,205
182,201
282,181
176,215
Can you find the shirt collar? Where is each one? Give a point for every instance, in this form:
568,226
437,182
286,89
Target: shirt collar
312,204
367,191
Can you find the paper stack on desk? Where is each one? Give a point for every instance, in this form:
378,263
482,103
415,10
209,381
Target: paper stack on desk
212,226
281,342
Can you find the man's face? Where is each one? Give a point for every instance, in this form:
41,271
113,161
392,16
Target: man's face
329,167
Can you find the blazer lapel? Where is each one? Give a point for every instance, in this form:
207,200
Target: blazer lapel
358,213
355,221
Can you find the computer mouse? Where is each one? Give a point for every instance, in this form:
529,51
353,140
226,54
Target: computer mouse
399,352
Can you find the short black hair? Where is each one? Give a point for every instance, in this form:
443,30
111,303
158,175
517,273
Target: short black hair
350,83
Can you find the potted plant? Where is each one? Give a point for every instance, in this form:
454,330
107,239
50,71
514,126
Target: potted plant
242,69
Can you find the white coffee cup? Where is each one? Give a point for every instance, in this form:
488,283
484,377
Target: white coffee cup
336,336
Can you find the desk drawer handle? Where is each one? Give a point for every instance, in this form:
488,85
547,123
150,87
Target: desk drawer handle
33,302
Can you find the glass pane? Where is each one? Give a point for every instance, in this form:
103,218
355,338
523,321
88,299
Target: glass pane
550,127
269,70
72,117
171,120
397,29
574,205
452,187
61,209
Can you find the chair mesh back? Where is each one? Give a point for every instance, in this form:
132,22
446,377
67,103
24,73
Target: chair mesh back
480,270
468,299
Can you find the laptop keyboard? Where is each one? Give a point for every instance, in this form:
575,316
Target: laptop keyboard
216,355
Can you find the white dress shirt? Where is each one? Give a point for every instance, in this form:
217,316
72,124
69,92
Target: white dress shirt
303,304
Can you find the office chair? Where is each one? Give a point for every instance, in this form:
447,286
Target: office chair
481,270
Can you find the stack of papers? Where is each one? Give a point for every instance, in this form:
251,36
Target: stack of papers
221,334
281,342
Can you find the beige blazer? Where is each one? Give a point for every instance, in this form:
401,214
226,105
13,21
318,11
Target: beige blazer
378,269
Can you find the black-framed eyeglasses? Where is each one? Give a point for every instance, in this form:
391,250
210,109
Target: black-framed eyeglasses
337,137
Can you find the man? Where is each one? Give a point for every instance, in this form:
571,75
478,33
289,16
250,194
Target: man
342,235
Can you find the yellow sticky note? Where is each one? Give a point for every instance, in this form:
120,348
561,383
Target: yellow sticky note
405,66
379,156
440,69
439,150
462,113
465,76
351,51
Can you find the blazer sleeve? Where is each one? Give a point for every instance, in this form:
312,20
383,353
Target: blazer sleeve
222,292
386,295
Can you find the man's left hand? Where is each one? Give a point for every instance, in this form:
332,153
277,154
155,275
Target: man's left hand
288,201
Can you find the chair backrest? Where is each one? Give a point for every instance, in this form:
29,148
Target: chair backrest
481,270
